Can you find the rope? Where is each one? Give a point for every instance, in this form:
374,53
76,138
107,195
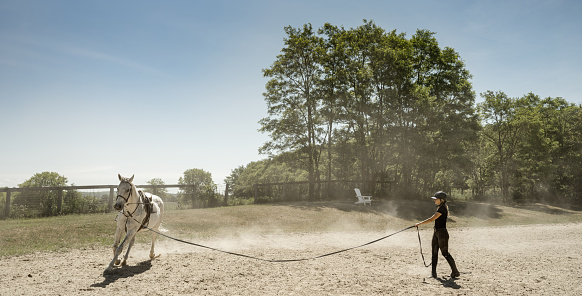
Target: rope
273,260
420,244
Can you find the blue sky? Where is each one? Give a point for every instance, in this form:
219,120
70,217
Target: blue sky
89,89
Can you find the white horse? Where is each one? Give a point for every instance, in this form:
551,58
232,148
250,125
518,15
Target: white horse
136,208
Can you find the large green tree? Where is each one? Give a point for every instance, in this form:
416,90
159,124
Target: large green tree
333,88
546,152
201,190
161,192
451,120
45,201
45,179
532,145
503,125
293,100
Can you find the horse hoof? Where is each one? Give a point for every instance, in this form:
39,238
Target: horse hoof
117,261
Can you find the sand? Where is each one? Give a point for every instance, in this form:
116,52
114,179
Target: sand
508,260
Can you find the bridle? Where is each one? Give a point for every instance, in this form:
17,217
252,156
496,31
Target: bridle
140,201
127,200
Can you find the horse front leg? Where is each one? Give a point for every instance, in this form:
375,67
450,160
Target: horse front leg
117,248
118,233
131,241
129,237
116,253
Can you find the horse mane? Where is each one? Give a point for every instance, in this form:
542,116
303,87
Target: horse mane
126,180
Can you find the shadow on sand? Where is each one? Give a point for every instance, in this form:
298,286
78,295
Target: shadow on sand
446,282
124,272
449,283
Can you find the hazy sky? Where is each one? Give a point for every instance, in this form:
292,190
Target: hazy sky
89,89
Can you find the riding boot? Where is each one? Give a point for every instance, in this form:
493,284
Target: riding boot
455,272
434,265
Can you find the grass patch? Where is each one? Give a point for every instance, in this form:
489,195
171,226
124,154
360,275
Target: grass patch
55,234
23,236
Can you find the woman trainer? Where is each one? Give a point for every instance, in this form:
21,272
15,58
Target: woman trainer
440,238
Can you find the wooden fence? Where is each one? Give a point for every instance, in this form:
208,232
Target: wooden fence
325,190
279,191
60,190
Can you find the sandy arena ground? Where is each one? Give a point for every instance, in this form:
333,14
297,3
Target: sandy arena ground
513,260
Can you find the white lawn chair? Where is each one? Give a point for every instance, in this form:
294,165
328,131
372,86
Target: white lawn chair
365,199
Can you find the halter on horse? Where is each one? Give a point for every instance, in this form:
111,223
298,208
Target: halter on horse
136,210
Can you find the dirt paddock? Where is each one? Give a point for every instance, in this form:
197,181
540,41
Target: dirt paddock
508,260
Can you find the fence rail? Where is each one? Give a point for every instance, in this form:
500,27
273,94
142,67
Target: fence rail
275,191
325,189
60,190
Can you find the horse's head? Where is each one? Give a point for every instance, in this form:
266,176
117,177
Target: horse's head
123,192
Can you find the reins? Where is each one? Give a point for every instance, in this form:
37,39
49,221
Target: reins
420,244
130,215
277,260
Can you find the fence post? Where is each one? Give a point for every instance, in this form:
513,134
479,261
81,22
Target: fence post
7,206
110,204
226,195
59,200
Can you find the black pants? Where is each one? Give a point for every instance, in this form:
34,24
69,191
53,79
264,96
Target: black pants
440,240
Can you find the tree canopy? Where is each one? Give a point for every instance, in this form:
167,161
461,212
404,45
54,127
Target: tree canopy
369,104
202,194
31,203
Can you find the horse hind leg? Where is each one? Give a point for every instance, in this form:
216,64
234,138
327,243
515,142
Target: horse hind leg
155,230
152,253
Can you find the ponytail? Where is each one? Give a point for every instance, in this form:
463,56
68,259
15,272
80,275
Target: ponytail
444,203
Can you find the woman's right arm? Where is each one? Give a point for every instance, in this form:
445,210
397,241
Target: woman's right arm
431,219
